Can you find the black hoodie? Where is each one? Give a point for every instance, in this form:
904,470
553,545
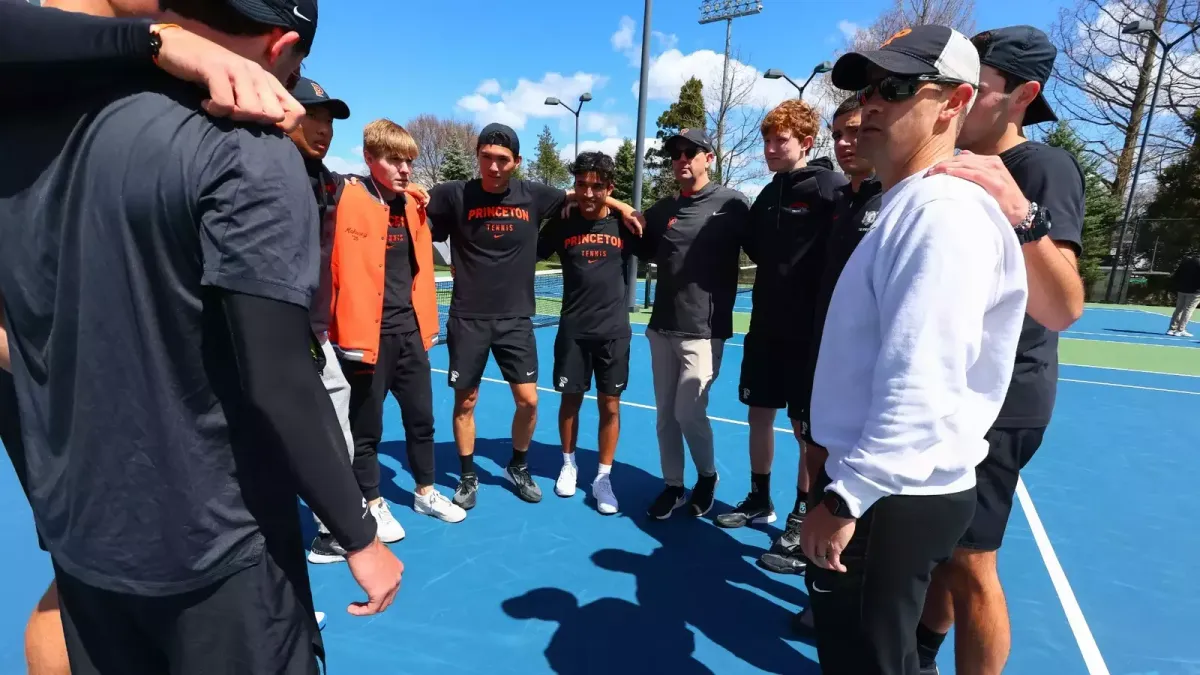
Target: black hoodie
789,223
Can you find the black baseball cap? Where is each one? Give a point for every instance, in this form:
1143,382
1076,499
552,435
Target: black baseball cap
310,95
1023,52
698,137
297,15
499,134
931,51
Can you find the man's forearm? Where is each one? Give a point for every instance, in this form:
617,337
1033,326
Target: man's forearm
1055,288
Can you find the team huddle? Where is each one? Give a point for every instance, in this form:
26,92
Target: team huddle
254,310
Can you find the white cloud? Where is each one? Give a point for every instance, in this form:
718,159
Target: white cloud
602,123
346,165
608,146
665,40
623,39
514,107
669,70
849,29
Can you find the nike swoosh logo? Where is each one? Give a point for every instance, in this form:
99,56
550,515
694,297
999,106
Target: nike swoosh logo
530,373
296,11
718,213
820,590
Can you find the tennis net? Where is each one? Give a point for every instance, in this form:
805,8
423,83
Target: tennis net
745,283
547,295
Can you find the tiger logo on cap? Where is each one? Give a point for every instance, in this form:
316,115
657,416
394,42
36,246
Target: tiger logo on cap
897,36
317,89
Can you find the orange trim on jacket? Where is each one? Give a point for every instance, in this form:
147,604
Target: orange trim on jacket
357,269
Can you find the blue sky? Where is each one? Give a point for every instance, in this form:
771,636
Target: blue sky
487,60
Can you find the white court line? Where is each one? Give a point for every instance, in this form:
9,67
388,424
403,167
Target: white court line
1131,386
1126,370
1120,342
1131,336
1075,619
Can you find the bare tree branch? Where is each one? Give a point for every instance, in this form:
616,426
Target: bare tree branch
434,137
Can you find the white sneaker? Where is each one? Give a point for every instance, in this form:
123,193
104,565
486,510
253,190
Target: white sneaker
1173,333
436,504
606,501
565,485
390,530
1184,333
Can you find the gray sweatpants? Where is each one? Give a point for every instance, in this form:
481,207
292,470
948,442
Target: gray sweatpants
1185,304
684,370
338,388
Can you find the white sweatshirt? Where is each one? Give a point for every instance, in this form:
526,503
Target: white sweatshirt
919,343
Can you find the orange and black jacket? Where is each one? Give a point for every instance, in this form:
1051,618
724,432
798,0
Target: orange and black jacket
357,270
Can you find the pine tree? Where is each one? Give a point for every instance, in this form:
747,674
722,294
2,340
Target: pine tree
1174,214
685,113
1102,209
548,168
623,173
456,165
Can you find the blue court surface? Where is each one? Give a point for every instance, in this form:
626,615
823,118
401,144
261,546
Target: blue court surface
1097,565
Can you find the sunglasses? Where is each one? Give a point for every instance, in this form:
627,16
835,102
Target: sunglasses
894,88
690,152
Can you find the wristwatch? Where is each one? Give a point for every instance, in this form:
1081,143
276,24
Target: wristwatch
156,30
1035,225
836,505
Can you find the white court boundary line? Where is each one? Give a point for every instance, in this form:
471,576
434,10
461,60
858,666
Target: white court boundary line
1075,619
1126,370
1131,386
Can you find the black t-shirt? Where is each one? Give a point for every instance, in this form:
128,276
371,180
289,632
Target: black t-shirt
593,255
123,218
493,243
1052,178
327,188
398,313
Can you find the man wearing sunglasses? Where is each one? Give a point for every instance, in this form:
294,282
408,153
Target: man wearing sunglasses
695,238
1034,182
915,359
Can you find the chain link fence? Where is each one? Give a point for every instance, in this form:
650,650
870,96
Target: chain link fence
1138,268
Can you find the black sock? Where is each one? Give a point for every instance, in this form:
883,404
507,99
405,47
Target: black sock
468,463
760,487
518,458
801,507
928,644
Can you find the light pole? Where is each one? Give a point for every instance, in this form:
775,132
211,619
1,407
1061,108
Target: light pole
639,158
775,74
583,98
712,11
1141,27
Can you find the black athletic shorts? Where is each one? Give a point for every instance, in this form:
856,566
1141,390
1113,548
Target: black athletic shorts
253,618
774,375
510,342
1009,450
575,359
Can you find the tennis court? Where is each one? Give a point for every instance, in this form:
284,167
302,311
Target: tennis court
1097,565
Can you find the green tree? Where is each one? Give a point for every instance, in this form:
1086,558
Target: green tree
548,168
518,173
456,165
1102,209
1174,214
623,173
685,113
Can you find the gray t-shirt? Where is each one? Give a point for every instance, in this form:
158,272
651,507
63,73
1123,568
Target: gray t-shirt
124,218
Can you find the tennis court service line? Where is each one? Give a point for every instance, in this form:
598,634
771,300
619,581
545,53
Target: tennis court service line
1126,370
1131,386
1075,619
631,404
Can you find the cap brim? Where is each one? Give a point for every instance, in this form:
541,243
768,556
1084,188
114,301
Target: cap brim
680,137
1039,111
338,108
852,70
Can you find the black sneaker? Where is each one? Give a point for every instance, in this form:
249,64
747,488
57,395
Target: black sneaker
325,550
468,488
802,622
753,509
704,494
523,482
670,499
786,556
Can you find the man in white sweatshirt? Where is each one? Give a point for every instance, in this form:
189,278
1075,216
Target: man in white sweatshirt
915,359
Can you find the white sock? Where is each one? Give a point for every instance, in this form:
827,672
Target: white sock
605,469
569,458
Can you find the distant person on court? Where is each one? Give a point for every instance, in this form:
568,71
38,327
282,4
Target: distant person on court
492,224
695,237
855,210
593,332
1185,283
789,224
915,359
222,421
384,320
1041,190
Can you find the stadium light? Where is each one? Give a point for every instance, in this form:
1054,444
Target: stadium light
583,98
712,11
1141,27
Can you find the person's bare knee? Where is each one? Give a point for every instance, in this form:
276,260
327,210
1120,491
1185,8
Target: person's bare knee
45,646
464,402
608,406
972,572
525,396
